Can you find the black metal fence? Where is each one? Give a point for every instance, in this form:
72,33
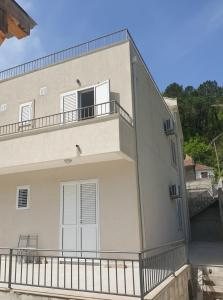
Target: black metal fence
118,273
65,118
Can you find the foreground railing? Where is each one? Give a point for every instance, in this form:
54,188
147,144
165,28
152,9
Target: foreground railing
80,114
117,273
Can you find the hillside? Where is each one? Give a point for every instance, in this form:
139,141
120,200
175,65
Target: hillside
201,111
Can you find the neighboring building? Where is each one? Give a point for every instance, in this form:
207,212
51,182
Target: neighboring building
14,21
85,161
203,171
194,171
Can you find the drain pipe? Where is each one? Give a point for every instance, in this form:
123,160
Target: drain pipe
134,96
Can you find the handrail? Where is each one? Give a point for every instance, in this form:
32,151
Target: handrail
64,118
175,243
66,54
170,244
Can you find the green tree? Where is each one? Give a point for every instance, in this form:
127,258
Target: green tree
199,150
201,118
174,90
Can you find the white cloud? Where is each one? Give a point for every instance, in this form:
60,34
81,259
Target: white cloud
14,51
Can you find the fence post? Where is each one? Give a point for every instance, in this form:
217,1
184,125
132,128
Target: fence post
10,269
141,277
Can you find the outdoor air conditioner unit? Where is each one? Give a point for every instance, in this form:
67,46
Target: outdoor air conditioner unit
174,191
168,127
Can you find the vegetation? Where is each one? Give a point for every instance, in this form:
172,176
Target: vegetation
201,112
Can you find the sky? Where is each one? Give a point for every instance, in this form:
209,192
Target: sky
180,40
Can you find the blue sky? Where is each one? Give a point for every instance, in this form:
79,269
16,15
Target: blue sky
180,40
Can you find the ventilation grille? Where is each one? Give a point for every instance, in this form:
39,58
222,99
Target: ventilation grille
23,198
88,203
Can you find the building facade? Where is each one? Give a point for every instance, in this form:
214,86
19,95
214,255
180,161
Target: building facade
85,162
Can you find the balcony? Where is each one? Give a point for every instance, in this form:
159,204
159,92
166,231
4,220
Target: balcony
132,274
90,134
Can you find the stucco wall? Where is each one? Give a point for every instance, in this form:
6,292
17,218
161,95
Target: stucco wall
119,229
111,63
156,172
99,139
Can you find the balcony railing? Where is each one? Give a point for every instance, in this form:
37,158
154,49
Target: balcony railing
67,54
66,118
118,273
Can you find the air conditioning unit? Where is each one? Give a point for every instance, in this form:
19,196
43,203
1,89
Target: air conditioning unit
174,191
168,127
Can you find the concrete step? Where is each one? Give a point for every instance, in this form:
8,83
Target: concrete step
214,290
213,280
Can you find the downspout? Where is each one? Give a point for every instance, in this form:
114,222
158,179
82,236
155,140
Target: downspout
185,214
134,97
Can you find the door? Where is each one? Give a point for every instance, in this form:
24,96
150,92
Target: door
69,217
102,98
79,215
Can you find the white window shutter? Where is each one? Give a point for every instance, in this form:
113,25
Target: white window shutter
25,112
88,202
102,98
69,107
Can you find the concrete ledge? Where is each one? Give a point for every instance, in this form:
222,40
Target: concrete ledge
17,294
174,287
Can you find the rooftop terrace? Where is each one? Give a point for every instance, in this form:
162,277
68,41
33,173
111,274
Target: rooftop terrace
67,54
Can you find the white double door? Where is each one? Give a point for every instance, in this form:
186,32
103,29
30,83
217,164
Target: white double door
79,216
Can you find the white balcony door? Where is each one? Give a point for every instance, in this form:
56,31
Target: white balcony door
102,98
79,216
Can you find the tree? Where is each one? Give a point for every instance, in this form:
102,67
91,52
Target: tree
199,150
201,118
173,90
209,88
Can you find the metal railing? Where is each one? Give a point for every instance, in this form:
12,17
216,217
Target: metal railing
109,272
66,118
67,54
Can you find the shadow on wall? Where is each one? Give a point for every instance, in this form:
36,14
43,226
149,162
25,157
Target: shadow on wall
207,226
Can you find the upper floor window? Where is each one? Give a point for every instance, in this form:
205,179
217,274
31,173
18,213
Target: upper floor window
173,152
25,112
22,197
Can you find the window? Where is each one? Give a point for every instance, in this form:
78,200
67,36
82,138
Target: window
22,197
204,175
173,153
25,113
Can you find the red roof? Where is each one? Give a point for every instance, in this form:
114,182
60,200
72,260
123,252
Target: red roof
199,167
188,161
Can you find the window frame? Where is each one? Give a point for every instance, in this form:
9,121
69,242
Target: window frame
23,187
30,103
173,150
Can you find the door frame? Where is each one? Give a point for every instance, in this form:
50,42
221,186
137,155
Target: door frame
78,213
82,89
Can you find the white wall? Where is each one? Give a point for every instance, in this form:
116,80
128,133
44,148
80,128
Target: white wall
156,172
